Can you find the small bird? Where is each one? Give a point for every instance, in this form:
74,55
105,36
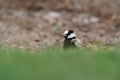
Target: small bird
71,40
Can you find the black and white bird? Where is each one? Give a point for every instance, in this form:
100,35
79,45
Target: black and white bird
71,40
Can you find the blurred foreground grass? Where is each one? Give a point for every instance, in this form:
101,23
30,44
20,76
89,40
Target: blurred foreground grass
56,64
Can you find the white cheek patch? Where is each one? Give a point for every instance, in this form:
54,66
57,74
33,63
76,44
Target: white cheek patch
65,33
71,35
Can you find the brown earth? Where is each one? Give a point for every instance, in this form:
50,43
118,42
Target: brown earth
39,23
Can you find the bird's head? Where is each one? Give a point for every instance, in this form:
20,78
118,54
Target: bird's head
69,34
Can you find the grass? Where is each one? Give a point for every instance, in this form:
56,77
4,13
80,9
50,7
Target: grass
56,64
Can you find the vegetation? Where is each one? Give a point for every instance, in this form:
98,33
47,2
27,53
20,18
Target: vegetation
56,64
35,24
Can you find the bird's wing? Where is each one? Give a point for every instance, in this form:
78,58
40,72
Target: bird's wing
78,42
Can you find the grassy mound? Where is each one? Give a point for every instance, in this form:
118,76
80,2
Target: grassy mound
56,64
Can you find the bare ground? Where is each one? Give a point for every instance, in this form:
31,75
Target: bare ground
41,25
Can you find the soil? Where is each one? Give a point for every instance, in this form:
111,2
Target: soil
37,24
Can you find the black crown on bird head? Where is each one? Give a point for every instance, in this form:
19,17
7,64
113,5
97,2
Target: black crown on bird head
69,34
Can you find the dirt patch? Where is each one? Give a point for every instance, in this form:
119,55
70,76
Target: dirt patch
36,24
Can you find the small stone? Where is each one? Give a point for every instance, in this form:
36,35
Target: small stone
21,47
37,40
52,17
94,19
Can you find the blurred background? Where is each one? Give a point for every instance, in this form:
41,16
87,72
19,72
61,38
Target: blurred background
39,23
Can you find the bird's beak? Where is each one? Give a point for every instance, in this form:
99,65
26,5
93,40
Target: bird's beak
61,35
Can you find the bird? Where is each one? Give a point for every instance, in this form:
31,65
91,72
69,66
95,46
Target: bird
71,40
